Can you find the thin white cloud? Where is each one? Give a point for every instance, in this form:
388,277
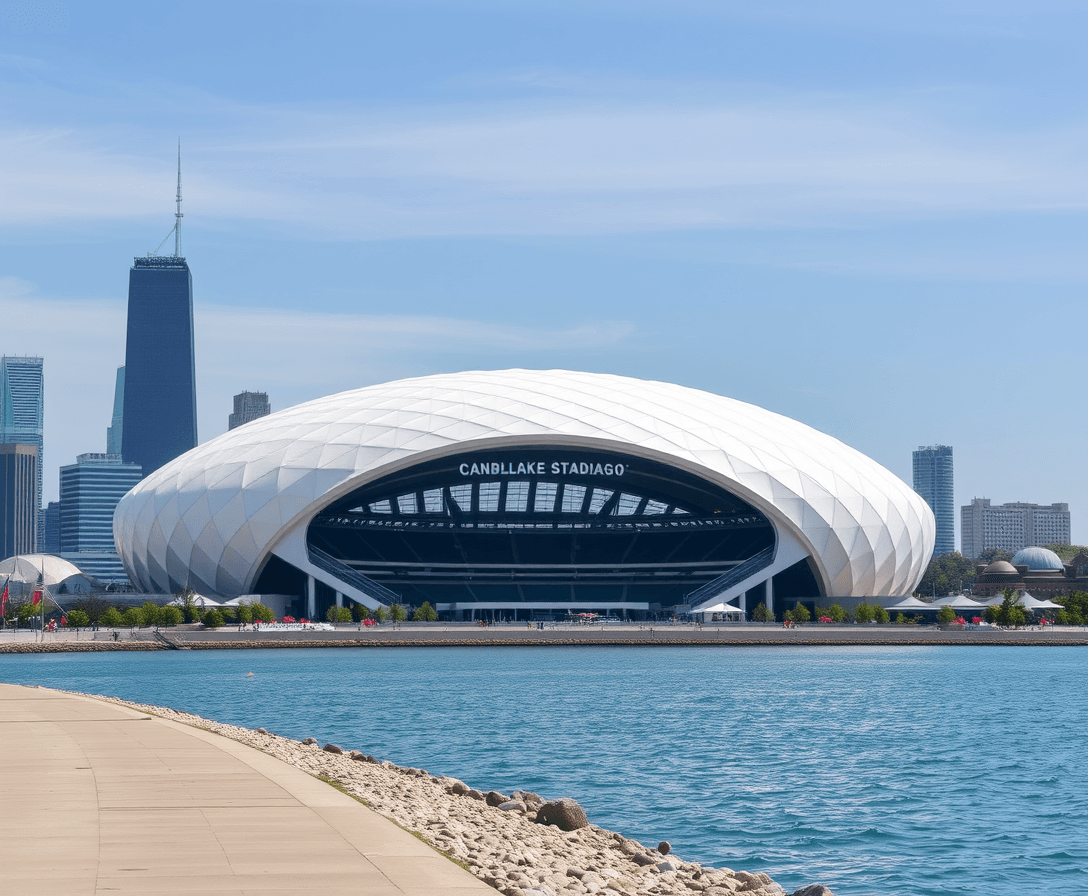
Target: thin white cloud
611,168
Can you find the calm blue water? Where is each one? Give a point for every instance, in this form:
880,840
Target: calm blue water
896,772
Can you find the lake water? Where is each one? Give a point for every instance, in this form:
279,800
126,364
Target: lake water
886,771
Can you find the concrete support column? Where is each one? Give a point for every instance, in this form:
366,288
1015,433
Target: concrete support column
742,602
339,599
311,597
770,594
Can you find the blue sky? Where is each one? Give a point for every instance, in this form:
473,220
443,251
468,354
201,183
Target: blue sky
868,218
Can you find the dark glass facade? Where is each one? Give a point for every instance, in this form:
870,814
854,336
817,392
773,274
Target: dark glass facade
543,525
159,420
18,499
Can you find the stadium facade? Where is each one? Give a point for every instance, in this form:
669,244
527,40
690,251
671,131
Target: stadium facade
527,494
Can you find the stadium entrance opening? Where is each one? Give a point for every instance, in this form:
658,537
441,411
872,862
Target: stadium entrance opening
539,527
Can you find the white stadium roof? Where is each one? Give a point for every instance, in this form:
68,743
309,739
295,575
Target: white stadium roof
210,519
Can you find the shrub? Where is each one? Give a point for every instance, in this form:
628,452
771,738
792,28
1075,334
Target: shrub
837,613
78,619
799,614
398,613
361,612
946,615
245,614
150,613
229,615
132,617
381,614
111,618
212,619
863,614
426,613
880,615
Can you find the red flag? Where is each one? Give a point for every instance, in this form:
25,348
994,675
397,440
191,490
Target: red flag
37,598
4,601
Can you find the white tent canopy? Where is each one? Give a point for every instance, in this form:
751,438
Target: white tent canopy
1027,601
911,603
959,602
720,608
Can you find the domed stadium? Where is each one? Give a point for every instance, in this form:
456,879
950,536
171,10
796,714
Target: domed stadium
525,494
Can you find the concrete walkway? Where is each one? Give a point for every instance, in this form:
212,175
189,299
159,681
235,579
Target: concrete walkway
98,798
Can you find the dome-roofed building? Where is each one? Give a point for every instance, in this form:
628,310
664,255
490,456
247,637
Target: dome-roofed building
22,573
1034,569
523,493
1038,559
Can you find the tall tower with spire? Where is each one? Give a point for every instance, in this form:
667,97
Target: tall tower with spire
159,405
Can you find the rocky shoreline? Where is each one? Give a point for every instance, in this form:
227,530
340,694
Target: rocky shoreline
519,843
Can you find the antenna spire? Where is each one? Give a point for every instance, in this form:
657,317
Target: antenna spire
178,215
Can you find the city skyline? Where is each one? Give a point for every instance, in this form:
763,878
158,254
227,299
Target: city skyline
777,204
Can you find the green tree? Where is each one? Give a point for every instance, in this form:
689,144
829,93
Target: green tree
1075,610
762,614
398,613
992,556
25,612
900,619
837,613
263,613
338,614
360,612
78,619
111,618
151,613
132,617
863,614
880,615
799,614
381,614
946,615
170,616
94,607
1011,612
245,614
425,613
947,574
212,619
189,609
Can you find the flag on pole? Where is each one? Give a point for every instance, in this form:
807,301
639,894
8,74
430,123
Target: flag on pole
4,600
38,589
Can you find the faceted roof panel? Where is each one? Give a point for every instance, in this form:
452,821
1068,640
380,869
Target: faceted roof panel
868,532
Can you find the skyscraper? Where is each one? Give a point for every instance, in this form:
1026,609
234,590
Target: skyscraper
18,507
89,491
159,419
22,411
248,406
933,481
116,427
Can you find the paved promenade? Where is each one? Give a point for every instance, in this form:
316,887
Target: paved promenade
99,798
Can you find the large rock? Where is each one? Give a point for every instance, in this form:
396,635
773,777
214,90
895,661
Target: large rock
565,814
813,890
494,798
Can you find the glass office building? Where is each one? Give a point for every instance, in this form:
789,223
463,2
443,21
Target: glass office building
22,413
933,481
159,419
90,490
